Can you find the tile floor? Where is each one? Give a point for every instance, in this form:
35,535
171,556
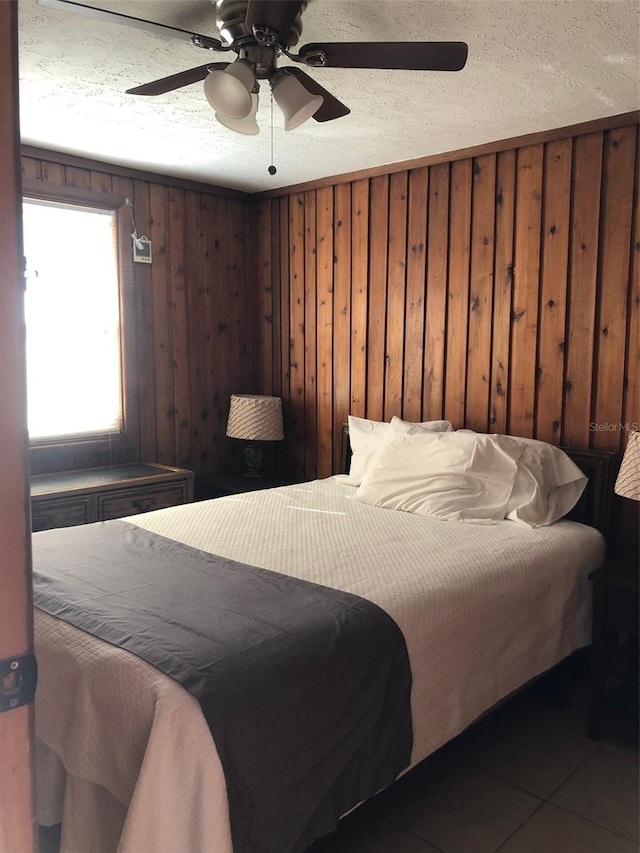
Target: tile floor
525,779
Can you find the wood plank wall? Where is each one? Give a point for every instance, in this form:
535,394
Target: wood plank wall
195,311
501,292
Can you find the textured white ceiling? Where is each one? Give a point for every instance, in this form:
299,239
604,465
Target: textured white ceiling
533,65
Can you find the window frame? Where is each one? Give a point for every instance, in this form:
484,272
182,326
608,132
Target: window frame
76,451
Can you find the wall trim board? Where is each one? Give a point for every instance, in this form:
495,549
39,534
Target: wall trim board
128,172
539,137
39,189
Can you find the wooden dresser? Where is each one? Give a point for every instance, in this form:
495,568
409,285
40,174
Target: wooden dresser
98,494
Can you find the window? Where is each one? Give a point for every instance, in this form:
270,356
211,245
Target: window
78,305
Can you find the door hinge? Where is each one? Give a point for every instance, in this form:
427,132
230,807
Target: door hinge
18,676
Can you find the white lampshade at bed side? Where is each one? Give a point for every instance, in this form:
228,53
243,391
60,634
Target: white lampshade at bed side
255,419
628,480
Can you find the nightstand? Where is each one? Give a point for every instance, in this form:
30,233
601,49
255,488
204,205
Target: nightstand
613,697
222,485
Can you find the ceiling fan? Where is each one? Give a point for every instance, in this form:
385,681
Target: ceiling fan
259,32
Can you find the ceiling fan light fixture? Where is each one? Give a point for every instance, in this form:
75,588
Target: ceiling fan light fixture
297,104
229,91
247,125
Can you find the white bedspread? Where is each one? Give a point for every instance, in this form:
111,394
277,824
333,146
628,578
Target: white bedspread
483,609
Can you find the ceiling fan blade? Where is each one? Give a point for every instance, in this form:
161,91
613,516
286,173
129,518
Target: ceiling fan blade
276,15
411,56
139,23
331,107
176,81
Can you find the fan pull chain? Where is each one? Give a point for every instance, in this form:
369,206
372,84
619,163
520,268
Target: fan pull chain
272,169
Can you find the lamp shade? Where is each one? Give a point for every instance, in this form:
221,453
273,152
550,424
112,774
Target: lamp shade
229,91
628,480
296,103
255,418
247,125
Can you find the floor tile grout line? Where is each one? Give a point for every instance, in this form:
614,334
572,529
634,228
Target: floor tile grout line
521,826
412,834
517,787
579,766
548,800
541,800
594,823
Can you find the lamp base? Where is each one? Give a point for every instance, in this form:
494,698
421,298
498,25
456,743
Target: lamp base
253,460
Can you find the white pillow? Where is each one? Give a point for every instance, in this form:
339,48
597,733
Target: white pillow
547,487
367,437
548,484
398,425
445,475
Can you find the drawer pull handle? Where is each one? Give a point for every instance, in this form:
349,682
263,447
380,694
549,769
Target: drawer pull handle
143,504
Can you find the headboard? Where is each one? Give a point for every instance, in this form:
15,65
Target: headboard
593,508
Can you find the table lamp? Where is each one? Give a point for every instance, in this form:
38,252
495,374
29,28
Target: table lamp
628,480
255,419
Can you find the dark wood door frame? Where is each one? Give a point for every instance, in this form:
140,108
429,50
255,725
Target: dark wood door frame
17,825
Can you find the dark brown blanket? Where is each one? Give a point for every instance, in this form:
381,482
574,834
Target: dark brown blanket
306,689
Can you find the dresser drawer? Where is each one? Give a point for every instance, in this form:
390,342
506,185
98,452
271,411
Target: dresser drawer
60,513
118,504
82,496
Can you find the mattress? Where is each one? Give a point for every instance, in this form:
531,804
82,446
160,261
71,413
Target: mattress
124,753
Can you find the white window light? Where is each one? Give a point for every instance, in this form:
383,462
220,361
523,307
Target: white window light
72,314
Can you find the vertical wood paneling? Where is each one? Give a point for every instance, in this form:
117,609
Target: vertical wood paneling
276,349
100,182
80,178
285,333
481,294
52,173
359,295
179,326
613,278
458,293
145,336
195,282
378,243
631,400
297,330
436,293
220,337
243,315
418,203
196,314
324,330
585,223
310,337
396,289
265,296
341,312
31,168
495,292
211,242
553,289
524,315
502,291
165,431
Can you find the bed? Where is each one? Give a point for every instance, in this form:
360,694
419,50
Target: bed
125,758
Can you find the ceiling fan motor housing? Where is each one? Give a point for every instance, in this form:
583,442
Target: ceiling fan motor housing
230,21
